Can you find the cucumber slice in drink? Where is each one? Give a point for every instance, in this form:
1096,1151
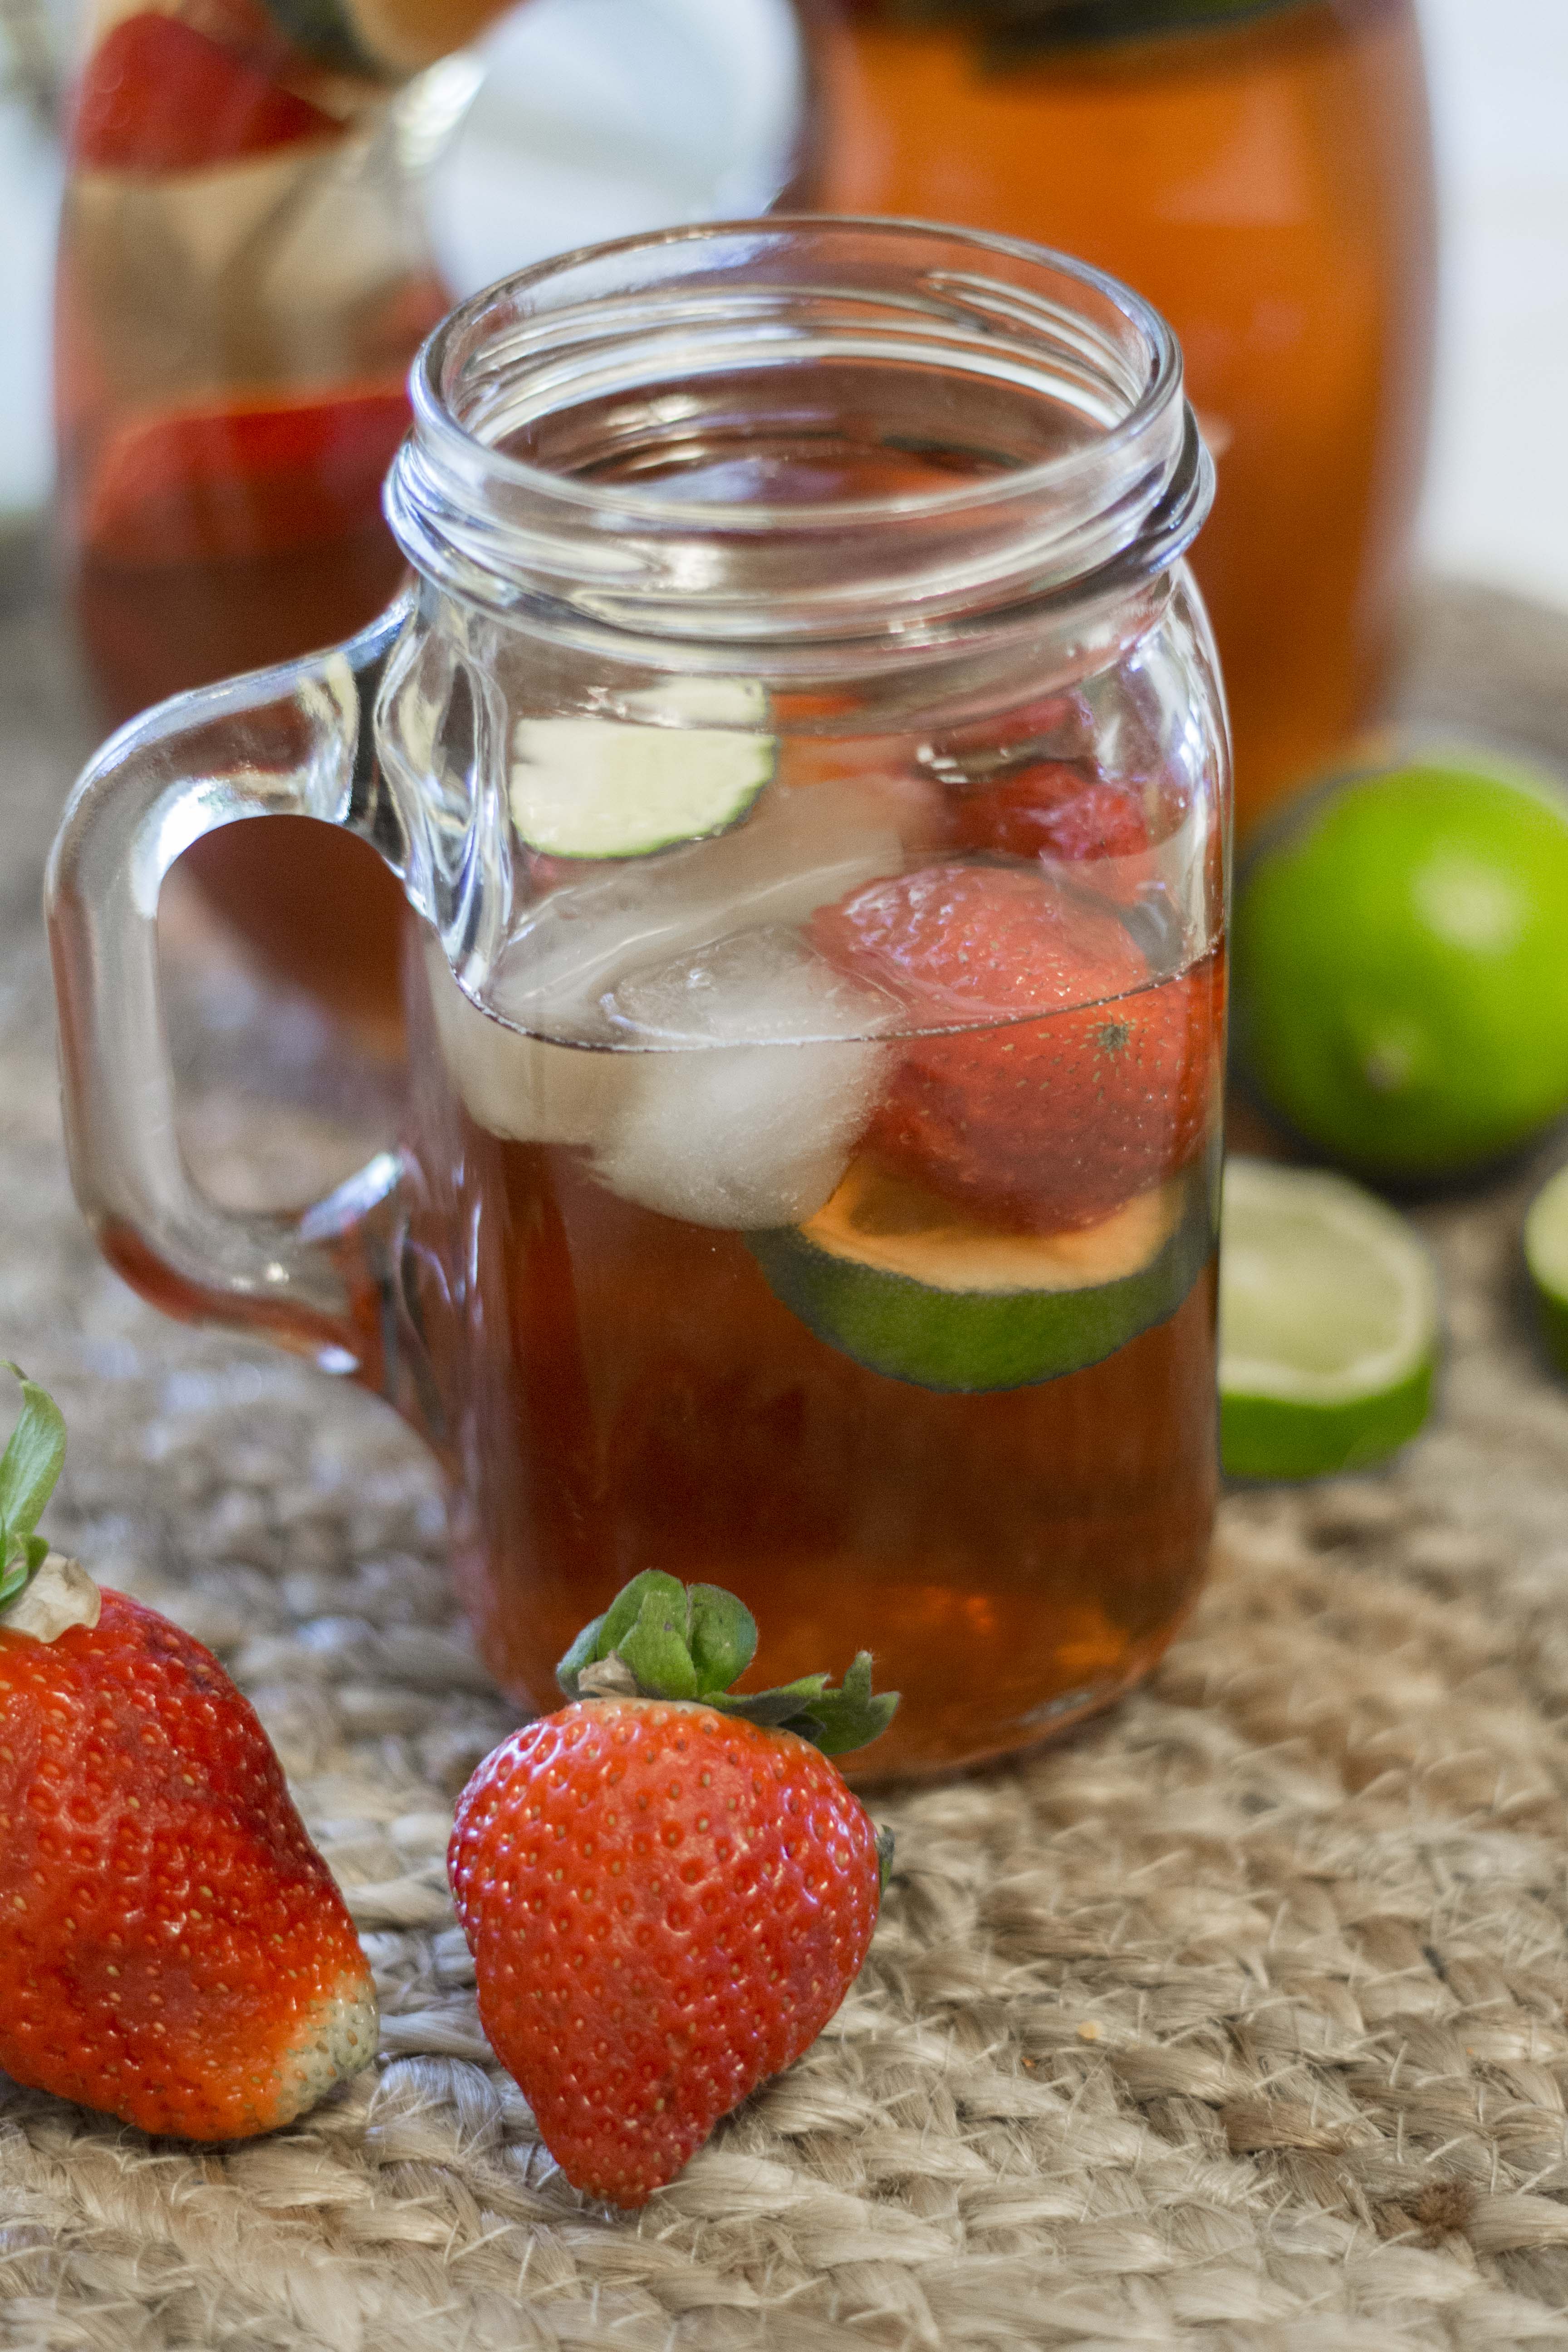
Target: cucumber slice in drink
910,1286
592,787
1546,1256
1329,1324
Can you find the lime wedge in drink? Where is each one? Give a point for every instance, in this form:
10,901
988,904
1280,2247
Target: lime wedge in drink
910,1286
685,765
1546,1256
1328,1324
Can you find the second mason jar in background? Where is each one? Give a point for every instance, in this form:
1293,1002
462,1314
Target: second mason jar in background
1264,174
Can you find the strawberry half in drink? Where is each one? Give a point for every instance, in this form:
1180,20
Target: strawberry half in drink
1060,1078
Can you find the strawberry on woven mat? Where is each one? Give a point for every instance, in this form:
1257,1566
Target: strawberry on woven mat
172,1948
1067,1082
667,1887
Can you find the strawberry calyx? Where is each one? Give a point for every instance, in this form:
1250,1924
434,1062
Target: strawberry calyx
34,1458
660,1639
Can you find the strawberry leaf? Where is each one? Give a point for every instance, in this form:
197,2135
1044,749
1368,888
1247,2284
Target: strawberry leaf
655,1648
602,1637
722,1635
681,1642
29,1468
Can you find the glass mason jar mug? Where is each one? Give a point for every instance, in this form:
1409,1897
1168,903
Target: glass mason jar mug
803,752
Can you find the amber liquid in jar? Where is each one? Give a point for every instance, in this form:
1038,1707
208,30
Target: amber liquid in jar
633,1373
1267,185
1016,1561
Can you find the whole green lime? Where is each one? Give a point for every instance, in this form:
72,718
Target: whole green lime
1401,966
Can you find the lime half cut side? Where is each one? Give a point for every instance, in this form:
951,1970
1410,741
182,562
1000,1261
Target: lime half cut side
1546,1256
1329,1324
914,1288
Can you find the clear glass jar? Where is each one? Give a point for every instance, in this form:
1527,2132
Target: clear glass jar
804,758
1263,173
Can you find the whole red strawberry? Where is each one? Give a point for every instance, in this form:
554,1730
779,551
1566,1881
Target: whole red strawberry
668,1889
173,1950
1067,1079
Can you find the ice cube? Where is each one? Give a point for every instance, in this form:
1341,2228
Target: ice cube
798,851
524,1088
758,1076
758,987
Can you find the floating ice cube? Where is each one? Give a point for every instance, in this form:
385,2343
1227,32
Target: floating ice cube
707,1110
758,987
765,1073
524,1088
799,850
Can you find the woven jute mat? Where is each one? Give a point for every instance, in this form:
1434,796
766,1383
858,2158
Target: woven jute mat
1237,2023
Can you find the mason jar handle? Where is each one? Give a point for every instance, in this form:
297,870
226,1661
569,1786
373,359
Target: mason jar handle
295,740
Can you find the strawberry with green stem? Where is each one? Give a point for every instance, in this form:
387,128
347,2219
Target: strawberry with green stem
173,1950
666,1886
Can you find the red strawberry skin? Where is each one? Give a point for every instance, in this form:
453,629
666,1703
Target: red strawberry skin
665,1906
173,1950
1053,810
1094,1086
158,96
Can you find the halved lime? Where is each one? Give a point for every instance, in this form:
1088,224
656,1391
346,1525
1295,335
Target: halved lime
1546,1256
687,762
910,1286
1328,1324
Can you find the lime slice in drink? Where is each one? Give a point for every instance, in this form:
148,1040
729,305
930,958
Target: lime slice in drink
1546,1256
624,787
910,1286
1329,1324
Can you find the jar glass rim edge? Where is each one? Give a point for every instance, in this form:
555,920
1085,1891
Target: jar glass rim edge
436,423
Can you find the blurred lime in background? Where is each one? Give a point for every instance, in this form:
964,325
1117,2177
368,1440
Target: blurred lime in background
1401,966
1546,1256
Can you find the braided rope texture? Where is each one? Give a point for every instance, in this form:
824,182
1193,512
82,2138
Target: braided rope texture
1235,2024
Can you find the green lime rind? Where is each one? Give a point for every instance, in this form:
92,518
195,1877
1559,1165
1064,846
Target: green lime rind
1552,1314
1546,1256
1330,1325
975,1342
593,787
1265,1437
1399,990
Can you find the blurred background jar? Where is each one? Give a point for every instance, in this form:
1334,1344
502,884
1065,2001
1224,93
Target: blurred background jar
1262,171
253,246
245,274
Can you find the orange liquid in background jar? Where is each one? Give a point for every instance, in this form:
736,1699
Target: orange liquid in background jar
1268,187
